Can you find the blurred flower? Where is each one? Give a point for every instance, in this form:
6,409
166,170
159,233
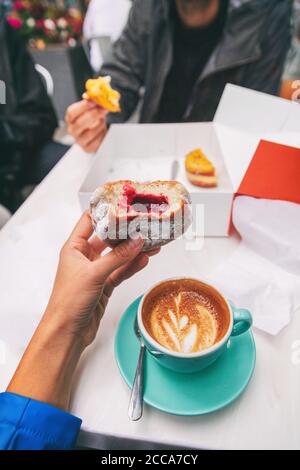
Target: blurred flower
49,24
62,23
75,13
19,5
15,23
39,24
76,25
72,42
43,22
40,44
30,22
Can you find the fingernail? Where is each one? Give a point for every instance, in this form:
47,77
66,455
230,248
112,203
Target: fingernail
136,242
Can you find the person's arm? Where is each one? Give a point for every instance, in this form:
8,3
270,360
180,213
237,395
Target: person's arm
27,424
39,392
265,75
31,120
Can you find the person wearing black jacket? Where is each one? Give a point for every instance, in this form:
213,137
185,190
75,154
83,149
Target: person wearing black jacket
178,56
27,119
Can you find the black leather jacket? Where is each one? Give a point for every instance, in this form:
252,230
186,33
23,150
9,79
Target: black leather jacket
27,120
251,53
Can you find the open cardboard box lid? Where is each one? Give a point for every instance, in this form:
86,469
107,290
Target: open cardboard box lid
245,117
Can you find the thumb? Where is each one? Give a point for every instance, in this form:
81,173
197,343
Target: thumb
120,255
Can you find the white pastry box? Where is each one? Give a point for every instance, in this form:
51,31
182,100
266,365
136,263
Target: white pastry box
146,152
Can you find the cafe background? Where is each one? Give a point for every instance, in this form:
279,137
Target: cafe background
68,46
53,30
54,34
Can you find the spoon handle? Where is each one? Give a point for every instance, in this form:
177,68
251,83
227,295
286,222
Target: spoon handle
135,409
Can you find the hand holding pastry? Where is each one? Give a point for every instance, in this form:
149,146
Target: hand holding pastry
87,124
87,119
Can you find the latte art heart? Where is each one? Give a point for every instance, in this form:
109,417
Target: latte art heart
183,323
185,315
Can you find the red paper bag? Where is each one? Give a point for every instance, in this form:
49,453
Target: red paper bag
274,173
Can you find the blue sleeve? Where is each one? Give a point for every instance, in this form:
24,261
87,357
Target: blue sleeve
27,424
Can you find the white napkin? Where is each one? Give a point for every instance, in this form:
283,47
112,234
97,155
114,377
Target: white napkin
142,169
263,274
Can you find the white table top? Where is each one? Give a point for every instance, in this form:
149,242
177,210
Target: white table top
266,416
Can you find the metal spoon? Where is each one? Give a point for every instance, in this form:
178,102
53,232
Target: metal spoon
135,410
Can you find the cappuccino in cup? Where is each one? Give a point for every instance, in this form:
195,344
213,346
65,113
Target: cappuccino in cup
185,315
186,323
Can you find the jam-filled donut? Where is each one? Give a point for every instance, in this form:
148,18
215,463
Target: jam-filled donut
159,211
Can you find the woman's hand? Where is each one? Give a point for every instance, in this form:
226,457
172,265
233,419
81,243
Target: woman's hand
85,279
84,282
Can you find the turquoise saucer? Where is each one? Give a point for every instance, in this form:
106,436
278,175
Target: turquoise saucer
186,394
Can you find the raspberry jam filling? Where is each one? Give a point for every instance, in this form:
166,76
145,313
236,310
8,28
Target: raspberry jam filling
142,202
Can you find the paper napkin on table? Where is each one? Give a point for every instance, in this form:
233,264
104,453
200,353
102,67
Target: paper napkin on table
142,169
263,274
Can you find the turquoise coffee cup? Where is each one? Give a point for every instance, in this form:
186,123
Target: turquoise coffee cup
240,321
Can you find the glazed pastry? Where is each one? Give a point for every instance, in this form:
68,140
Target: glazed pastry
200,171
160,211
100,91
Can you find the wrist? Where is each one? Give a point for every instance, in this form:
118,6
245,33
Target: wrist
57,342
55,328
